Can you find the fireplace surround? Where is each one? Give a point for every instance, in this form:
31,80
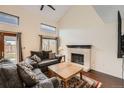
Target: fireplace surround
78,52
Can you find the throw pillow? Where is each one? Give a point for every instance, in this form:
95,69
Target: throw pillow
26,65
27,75
36,58
31,62
51,55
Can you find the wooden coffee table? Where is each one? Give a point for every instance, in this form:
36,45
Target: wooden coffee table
66,71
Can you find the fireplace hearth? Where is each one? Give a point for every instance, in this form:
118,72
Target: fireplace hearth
77,58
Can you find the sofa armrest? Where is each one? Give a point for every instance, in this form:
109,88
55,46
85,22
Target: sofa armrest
55,82
59,58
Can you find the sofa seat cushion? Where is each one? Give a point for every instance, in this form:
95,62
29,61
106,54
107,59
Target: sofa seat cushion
39,74
47,62
10,77
37,71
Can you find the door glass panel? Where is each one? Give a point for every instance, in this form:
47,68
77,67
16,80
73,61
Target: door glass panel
10,48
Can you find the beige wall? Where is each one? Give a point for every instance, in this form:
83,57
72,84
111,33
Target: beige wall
29,26
82,25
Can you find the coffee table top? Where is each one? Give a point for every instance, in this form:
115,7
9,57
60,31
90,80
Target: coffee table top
66,70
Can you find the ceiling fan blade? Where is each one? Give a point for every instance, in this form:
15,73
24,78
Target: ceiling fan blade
42,6
51,7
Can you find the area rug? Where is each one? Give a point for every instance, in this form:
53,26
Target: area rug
76,82
86,82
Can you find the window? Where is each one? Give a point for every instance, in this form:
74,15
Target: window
9,19
49,44
48,28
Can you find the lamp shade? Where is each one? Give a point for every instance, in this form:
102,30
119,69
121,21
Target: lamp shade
60,48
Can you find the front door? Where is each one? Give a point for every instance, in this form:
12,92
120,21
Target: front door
8,49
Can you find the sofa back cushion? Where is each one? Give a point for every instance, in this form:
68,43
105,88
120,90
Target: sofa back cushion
43,55
27,75
46,54
9,77
37,53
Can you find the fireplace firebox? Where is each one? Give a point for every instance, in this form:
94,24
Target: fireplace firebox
77,58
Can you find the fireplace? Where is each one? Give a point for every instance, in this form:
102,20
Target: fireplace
80,54
77,58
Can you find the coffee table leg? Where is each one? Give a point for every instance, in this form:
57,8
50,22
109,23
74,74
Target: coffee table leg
50,73
81,75
65,84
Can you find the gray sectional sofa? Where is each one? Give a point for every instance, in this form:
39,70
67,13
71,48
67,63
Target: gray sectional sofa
23,75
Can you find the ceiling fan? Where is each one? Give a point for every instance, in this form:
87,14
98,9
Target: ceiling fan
50,6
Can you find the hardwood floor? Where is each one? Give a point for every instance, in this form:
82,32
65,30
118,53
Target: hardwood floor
108,81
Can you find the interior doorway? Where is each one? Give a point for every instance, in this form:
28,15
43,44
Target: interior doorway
8,46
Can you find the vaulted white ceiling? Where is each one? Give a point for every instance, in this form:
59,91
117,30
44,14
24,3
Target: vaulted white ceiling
108,13
47,13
